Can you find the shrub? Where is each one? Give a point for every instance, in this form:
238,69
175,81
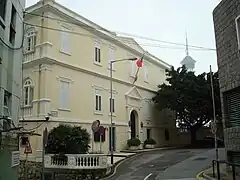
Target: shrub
66,139
150,141
133,142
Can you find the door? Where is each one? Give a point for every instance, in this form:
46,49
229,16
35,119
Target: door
112,139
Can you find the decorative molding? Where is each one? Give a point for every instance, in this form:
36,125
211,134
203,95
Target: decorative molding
78,121
128,94
50,60
44,44
96,29
65,79
41,100
97,87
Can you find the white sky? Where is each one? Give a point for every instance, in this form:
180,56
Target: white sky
166,20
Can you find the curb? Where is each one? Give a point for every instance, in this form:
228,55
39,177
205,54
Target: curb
201,174
115,166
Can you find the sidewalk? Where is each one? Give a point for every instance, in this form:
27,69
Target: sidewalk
208,174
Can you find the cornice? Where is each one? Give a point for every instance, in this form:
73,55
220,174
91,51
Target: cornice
51,61
95,29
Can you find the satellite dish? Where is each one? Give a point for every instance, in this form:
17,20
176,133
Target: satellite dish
95,125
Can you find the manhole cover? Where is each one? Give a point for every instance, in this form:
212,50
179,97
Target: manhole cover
200,159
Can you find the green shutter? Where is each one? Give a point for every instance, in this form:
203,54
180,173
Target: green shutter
233,108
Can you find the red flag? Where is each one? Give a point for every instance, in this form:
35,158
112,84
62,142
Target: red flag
139,62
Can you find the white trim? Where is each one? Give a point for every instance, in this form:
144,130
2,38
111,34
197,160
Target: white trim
50,60
44,44
41,100
97,29
78,121
131,90
64,79
238,30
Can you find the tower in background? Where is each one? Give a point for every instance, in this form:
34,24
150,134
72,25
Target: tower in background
188,61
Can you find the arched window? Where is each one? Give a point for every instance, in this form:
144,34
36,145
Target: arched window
30,40
28,92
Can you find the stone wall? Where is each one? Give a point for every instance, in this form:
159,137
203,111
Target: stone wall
33,172
228,58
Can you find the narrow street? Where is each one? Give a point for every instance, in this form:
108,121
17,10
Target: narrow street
166,165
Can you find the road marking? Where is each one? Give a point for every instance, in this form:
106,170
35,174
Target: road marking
147,176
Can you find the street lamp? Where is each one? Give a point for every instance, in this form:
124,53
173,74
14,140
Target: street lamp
111,104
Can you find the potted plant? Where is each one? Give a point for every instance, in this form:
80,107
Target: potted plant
149,143
133,143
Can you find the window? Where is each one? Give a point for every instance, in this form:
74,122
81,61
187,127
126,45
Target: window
30,41
13,26
97,55
2,8
112,104
7,104
133,69
111,57
28,92
148,133
98,102
64,95
237,22
65,40
145,73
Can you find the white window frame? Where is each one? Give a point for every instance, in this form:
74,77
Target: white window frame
111,57
97,55
146,75
29,88
7,104
62,99
65,41
237,23
30,41
114,104
98,106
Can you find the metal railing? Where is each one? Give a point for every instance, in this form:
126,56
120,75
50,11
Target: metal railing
218,168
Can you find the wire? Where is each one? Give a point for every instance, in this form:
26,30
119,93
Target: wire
91,36
127,34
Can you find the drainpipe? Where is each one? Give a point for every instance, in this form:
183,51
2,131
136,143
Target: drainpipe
39,89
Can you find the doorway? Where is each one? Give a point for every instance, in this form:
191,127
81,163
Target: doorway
133,120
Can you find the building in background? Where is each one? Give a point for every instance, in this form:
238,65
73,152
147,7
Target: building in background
66,77
11,41
227,34
188,61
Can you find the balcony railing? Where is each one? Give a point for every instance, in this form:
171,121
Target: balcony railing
38,52
76,161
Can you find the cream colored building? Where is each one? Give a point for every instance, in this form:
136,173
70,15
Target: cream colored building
66,77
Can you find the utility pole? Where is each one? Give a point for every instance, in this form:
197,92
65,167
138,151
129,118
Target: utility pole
214,115
111,101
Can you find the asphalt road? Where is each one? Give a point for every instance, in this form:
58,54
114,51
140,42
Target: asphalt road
165,165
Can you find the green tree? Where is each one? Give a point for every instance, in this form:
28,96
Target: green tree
189,95
66,139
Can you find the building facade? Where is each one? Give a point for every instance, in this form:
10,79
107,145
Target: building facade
227,28
11,56
66,77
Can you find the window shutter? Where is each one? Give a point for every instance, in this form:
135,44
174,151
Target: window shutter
96,102
100,103
133,68
145,73
31,95
65,41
